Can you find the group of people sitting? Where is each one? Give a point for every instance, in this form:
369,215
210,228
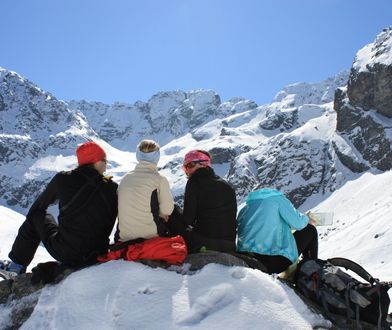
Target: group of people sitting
90,202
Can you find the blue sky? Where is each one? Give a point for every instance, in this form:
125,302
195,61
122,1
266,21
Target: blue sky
125,50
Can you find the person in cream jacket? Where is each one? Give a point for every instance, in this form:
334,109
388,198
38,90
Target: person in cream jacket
144,197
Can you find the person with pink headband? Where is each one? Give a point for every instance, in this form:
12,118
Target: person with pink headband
210,207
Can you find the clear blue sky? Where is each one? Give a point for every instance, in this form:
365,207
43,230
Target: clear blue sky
127,50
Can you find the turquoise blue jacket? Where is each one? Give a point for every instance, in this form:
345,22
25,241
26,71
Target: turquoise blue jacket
265,223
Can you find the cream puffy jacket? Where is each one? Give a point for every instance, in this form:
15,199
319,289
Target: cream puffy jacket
134,201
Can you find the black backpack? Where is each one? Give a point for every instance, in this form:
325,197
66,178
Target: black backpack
338,293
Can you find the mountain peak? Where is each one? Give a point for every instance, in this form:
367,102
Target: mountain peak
377,52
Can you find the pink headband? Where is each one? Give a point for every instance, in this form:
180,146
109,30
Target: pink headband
197,156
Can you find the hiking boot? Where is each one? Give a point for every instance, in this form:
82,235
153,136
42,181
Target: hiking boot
9,269
289,273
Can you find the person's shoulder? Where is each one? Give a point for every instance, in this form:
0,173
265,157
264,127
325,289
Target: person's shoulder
162,177
108,179
281,200
128,176
65,173
273,200
223,181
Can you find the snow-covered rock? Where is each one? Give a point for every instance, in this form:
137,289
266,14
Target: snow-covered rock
364,107
370,83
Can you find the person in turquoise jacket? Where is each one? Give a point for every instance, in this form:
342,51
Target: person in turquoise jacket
265,225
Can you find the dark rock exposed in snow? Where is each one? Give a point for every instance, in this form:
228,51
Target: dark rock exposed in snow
364,108
370,83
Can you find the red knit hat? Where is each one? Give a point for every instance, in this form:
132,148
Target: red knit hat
89,153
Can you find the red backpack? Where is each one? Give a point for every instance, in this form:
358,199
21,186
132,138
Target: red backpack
173,250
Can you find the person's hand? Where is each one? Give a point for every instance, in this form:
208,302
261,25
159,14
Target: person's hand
164,217
312,221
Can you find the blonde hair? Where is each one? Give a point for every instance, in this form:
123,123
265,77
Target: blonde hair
148,146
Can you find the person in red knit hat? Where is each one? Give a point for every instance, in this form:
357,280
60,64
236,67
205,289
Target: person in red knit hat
87,202
89,153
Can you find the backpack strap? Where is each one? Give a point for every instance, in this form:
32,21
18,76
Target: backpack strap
76,196
360,271
67,210
353,266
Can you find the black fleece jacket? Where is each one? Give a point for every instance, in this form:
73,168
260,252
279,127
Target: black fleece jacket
85,221
210,205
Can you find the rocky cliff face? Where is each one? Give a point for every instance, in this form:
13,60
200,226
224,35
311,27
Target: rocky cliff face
296,154
370,83
364,108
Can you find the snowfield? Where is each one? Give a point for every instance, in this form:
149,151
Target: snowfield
129,295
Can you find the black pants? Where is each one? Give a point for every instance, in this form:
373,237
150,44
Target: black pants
41,227
307,245
194,240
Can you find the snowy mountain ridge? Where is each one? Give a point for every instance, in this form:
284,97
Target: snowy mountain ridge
329,135
178,120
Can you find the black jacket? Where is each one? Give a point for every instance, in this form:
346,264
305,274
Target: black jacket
210,206
87,212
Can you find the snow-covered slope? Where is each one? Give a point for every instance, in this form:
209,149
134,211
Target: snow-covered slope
218,296
362,230
10,222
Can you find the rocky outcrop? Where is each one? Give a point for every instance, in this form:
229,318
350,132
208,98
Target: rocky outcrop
370,82
19,296
365,106
349,162
299,168
367,134
280,120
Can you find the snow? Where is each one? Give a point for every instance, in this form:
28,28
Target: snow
125,295
362,230
10,222
377,52
139,297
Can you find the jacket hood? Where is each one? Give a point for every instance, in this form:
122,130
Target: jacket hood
263,194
